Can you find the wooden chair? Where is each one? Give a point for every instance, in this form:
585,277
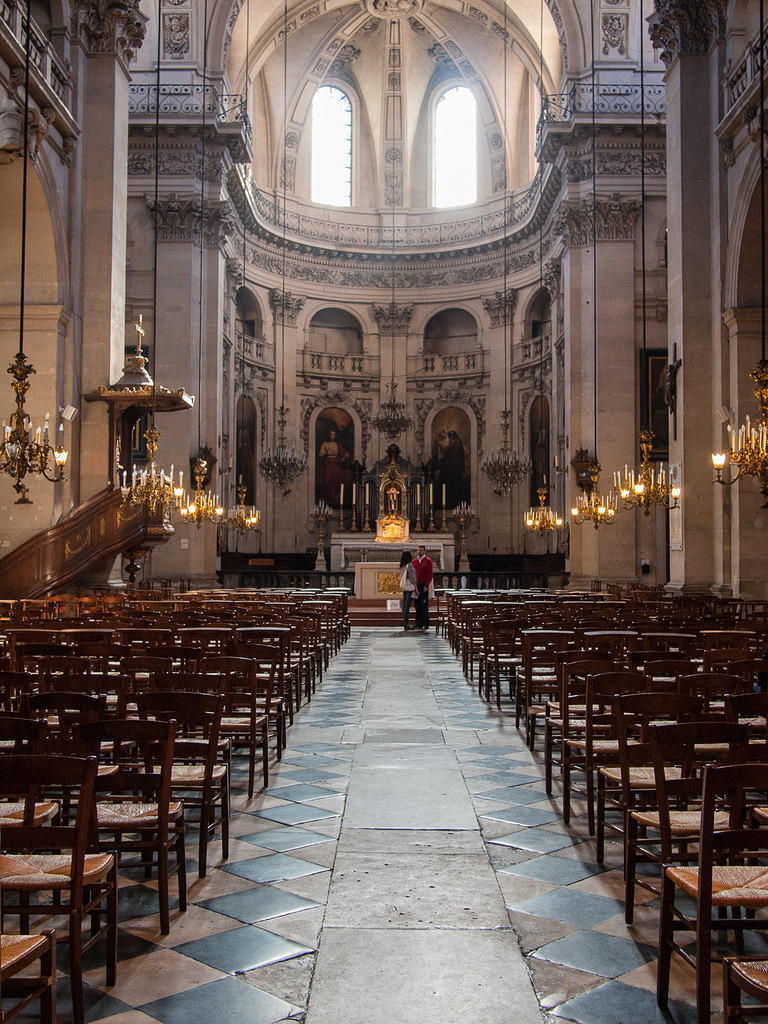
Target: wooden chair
18,953
32,874
247,685
748,975
134,810
200,775
727,883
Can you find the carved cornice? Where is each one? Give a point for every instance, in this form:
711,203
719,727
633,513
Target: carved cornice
614,221
686,27
393,318
179,217
494,306
292,304
110,26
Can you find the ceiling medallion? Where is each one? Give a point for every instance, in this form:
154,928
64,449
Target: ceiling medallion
393,8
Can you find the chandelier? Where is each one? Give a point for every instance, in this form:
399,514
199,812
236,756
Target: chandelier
203,506
283,463
649,487
22,449
241,518
593,507
542,519
748,446
152,486
505,468
392,419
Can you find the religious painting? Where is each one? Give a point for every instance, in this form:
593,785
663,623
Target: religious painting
539,434
245,454
451,458
655,401
334,453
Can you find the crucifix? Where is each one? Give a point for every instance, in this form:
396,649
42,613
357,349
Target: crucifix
140,332
670,389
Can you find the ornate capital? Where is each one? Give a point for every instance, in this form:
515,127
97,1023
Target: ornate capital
110,26
393,317
495,307
684,27
285,304
179,218
614,221
553,278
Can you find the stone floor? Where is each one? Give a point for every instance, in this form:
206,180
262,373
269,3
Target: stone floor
404,866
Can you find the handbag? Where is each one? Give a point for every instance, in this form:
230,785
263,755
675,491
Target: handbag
405,583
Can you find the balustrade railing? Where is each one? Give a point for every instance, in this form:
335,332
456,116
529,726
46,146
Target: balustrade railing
746,70
48,65
338,364
455,364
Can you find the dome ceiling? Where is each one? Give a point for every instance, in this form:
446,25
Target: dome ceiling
392,57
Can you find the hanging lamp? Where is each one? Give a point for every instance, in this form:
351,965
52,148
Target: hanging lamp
747,448
591,506
283,462
650,486
505,467
23,449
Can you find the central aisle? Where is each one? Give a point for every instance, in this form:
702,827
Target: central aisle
415,926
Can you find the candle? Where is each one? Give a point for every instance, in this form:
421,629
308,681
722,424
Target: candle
418,495
341,496
354,494
430,494
443,495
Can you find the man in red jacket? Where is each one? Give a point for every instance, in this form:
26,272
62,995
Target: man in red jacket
422,563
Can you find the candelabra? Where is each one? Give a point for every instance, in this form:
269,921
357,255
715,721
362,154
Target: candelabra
204,507
593,507
320,513
283,463
463,514
748,446
23,450
543,519
649,488
241,518
152,486
505,467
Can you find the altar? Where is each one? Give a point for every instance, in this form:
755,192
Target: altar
349,549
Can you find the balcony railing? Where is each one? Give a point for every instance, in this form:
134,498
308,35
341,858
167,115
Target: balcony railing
452,366
530,349
186,99
258,351
47,65
339,365
615,100
745,71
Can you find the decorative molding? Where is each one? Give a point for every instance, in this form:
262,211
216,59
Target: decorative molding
422,408
176,35
280,301
393,318
394,9
616,162
494,307
552,278
110,26
478,406
686,27
614,219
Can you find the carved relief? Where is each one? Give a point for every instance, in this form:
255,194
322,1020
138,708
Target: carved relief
175,35
393,8
614,28
178,219
284,301
552,278
110,26
679,27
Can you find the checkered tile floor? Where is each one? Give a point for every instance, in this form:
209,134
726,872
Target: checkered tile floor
245,949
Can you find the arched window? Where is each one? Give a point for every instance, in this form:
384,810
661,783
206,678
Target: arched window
331,147
455,148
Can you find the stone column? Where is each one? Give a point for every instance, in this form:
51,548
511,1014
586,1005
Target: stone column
105,38
688,31
607,553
